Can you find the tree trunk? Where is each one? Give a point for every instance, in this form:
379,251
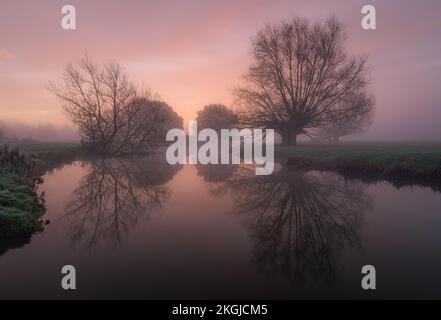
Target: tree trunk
289,138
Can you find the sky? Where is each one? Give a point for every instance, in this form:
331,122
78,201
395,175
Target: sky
193,53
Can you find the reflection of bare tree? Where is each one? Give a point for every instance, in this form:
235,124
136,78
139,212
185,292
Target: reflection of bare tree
113,196
300,221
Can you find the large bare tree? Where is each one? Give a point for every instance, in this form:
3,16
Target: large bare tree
112,116
300,77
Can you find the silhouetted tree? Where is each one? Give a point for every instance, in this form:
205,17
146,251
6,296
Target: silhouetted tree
113,117
217,117
300,78
153,118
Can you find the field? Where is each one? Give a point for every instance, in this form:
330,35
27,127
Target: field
410,163
416,162
46,147
50,155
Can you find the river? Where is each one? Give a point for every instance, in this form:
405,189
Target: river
140,228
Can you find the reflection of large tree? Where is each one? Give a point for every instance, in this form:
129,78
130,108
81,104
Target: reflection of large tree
300,221
113,196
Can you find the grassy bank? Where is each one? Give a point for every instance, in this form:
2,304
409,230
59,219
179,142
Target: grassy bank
400,163
21,168
20,207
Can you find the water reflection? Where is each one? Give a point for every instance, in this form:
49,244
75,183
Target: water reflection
214,173
293,234
300,222
113,196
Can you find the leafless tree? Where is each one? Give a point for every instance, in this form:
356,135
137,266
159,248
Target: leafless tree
356,121
217,117
299,78
113,117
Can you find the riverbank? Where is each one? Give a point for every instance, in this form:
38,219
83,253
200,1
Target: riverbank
21,168
20,207
399,163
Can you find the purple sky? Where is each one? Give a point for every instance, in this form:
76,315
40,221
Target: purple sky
193,52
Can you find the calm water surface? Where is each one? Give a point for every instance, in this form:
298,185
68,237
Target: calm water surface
144,229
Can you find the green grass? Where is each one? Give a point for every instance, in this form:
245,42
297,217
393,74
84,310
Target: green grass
20,207
410,162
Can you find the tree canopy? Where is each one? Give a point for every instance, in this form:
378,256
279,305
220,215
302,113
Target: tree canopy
217,117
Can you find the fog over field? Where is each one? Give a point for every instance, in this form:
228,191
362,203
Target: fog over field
41,132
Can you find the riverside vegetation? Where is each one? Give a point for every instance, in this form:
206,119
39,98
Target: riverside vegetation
21,207
401,163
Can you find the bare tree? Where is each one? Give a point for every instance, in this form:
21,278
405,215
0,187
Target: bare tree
113,117
217,117
300,76
356,121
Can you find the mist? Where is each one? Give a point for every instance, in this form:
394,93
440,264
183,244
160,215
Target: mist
44,132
